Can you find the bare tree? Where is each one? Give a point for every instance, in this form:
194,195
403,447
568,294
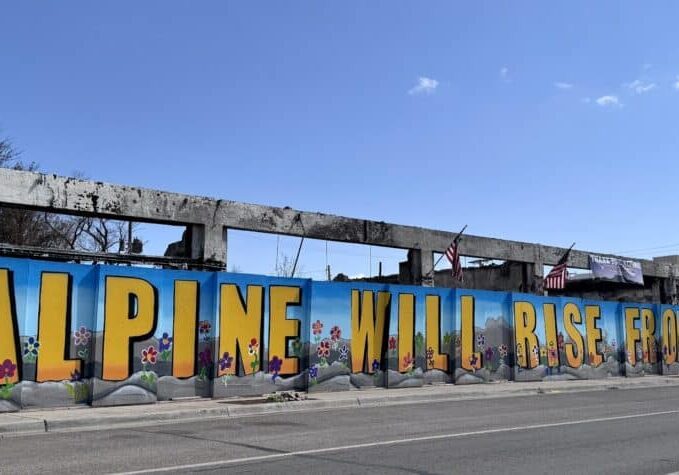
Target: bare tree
41,229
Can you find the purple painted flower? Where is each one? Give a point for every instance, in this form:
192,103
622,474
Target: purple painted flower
165,342
489,353
82,336
473,359
376,365
76,376
275,367
7,369
313,372
205,357
225,361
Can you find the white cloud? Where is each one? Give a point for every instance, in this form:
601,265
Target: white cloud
609,101
563,85
640,87
676,84
424,86
504,72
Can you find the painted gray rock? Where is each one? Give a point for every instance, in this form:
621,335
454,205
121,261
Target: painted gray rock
170,387
126,395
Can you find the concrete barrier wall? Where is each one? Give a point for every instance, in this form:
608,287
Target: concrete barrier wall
103,335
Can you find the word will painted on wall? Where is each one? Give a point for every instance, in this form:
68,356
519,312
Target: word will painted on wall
104,335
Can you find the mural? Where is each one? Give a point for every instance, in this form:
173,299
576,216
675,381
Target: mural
103,335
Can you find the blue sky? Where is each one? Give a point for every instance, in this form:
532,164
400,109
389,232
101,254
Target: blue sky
542,122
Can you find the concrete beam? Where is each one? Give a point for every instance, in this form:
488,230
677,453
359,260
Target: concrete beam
68,195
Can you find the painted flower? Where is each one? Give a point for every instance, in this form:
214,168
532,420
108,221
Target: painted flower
323,349
543,351
205,357
392,343
335,333
76,376
503,350
473,359
204,326
408,361
430,354
165,342
82,336
31,347
149,355
489,353
317,327
559,341
343,353
253,347
613,344
375,365
313,372
7,369
481,340
536,350
225,361
275,366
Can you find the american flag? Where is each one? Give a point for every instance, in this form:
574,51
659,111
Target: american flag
454,257
556,279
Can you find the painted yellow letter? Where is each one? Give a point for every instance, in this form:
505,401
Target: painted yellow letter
281,328
9,329
239,325
632,334
406,330
592,314
575,349
369,319
54,329
669,336
130,313
524,334
648,335
470,359
549,311
184,328
432,304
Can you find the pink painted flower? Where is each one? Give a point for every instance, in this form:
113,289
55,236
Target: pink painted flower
335,333
317,327
253,347
149,355
502,350
392,343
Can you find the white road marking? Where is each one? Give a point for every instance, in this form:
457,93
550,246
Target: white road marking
261,458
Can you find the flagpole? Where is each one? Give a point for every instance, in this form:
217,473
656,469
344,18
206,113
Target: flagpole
457,238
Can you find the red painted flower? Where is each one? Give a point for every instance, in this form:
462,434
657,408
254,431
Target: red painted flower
335,333
149,355
392,343
323,349
7,369
253,347
204,326
317,327
408,361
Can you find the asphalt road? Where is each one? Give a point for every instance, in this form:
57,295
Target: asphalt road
615,431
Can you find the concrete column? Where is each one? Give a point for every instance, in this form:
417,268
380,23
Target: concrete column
208,243
420,265
537,274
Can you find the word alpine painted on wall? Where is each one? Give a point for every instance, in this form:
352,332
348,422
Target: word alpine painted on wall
104,335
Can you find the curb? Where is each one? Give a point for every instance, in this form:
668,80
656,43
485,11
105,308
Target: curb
21,424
